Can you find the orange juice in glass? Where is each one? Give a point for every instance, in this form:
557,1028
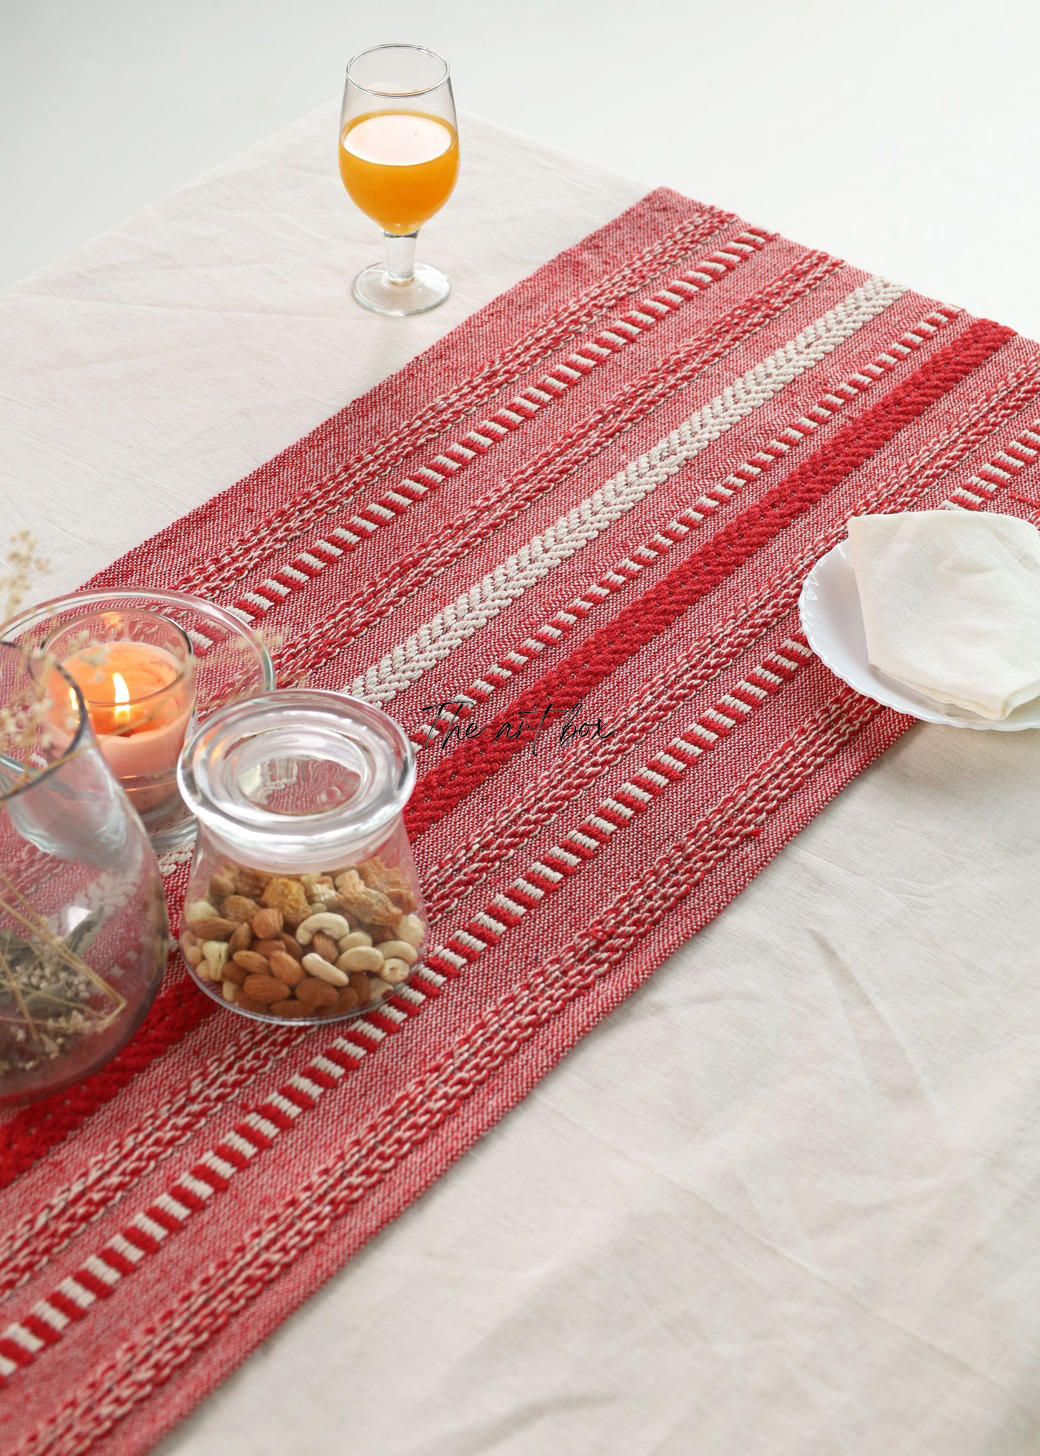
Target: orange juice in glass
399,160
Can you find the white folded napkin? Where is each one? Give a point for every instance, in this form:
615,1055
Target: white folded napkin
951,605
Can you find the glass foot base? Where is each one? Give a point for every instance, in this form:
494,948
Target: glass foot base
374,289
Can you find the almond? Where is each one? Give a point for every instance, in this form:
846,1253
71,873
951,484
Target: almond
212,927
241,938
267,947
288,1008
264,988
248,1004
268,923
325,946
292,946
313,993
251,963
285,968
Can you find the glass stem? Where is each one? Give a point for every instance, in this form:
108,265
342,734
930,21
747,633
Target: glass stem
400,257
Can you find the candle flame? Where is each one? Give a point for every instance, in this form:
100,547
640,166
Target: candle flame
121,699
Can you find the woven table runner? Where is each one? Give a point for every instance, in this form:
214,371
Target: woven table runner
564,549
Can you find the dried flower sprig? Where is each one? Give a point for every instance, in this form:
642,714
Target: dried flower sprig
21,564
37,929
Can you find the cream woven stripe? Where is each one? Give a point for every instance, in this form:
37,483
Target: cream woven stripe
439,637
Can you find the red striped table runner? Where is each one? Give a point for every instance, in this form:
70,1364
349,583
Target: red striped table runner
594,502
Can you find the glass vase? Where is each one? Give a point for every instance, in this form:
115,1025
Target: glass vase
84,936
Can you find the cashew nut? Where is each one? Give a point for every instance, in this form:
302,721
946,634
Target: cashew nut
215,954
317,966
356,937
199,910
398,950
336,926
360,958
411,929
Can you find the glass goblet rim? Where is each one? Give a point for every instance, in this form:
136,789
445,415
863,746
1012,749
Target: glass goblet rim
397,46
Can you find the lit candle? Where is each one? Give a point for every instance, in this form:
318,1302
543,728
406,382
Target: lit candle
140,701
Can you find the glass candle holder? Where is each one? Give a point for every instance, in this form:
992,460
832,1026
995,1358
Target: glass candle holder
230,662
136,672
303,902
83,930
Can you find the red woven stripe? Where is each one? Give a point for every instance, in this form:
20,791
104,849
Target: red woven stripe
475,760
203,1173
34,1130
92,1284
146,1242
165,1220
340,1058
442,965
232,1155
251,1134
385,1023
275,1114
402,1003
66,1306
15,1352
40,1328
188,1197
320,1078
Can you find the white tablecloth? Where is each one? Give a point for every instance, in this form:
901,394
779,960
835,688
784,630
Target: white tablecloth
805,1218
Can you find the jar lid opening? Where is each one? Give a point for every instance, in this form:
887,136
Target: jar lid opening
301,771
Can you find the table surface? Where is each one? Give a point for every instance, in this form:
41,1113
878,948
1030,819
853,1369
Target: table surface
785,1199
899,136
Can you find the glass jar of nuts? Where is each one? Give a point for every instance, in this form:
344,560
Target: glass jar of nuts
303,902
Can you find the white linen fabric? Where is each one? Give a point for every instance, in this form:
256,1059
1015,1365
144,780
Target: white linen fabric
951,605
786,1200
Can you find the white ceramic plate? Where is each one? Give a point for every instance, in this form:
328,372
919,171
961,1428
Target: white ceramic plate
831,620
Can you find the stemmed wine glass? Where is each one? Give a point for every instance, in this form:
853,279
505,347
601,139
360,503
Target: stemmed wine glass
399,160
